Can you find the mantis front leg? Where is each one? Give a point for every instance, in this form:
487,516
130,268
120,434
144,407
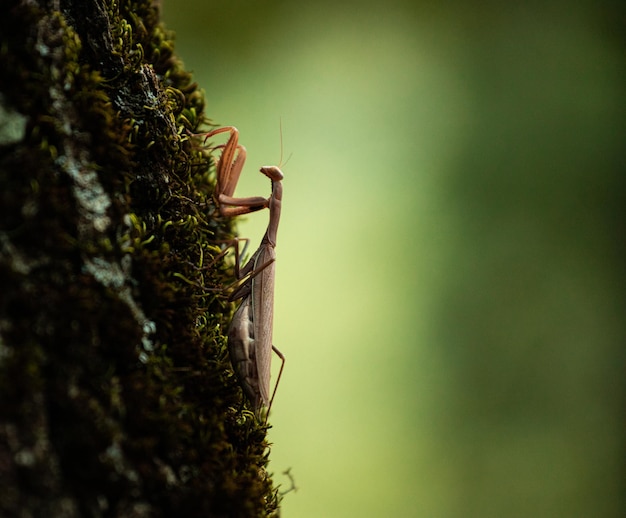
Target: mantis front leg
229,168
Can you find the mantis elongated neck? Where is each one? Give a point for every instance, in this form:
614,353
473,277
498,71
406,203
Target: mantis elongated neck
274,208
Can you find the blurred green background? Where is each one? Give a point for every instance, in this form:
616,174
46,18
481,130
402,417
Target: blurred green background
450,288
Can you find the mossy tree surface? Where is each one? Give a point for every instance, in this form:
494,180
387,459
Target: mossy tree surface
117,397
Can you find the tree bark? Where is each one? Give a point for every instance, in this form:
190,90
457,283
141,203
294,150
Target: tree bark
117,397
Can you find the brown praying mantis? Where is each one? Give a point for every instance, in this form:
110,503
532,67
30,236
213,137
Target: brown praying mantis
250,331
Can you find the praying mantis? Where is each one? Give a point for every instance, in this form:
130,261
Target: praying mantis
250,331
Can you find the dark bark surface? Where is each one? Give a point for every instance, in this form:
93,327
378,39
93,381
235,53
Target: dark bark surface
117,397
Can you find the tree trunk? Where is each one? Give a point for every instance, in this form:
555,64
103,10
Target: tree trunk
117,397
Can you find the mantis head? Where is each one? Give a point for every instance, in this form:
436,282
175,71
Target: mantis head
272,172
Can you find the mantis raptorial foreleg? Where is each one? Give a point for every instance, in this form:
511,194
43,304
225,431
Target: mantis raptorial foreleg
228,172
250,332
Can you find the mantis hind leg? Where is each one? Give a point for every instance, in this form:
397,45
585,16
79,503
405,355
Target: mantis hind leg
280,373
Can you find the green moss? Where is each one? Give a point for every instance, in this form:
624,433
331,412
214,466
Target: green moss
117,394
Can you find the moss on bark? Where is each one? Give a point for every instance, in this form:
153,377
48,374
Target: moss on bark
117,397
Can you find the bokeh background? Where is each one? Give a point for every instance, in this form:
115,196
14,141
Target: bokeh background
450,288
